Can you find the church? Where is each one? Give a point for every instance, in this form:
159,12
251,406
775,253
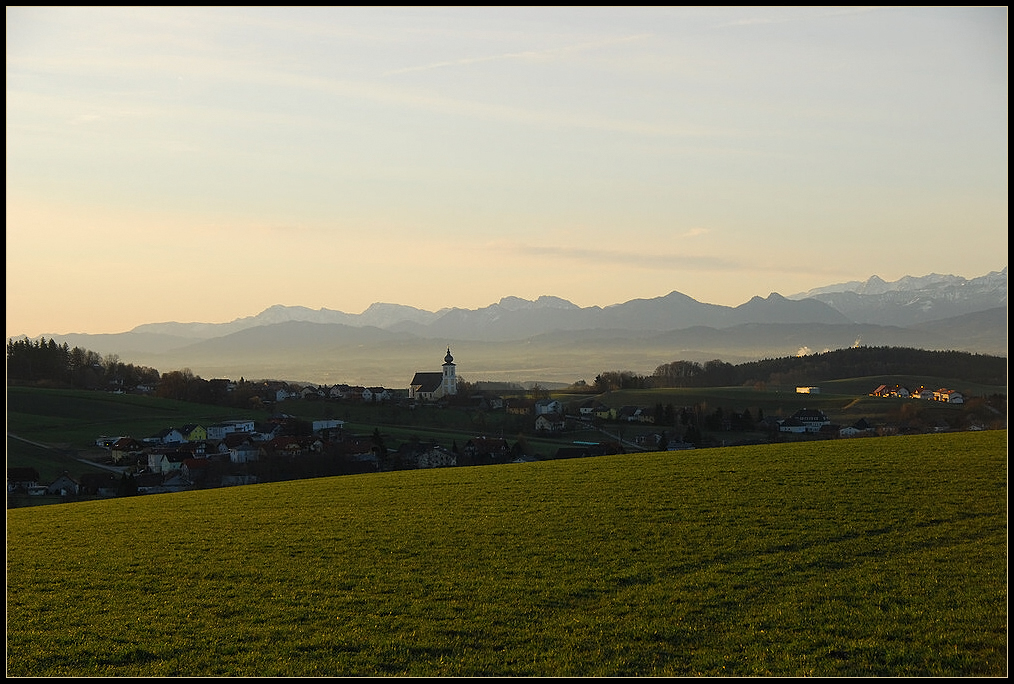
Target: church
429,386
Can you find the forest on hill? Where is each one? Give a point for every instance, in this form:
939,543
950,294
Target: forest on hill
813,368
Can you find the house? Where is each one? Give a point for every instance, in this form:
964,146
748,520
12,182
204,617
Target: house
635,414
102,484
793,425
481,450
430,386
123,448
519,407
948,396
193,449
22,478
176,482
436,457
289,445
642,415
339,391
242,424
330,424
890,391
195,469
244,453
545,407
371,394
235,439
220,430
808,390
605,413
64,485
812,419
167,436
157,462
166,459
552,422
590,408
857,429
194,433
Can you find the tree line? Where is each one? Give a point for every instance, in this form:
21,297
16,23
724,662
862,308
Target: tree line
832,365
46,362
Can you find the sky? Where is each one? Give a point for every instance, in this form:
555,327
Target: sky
203,164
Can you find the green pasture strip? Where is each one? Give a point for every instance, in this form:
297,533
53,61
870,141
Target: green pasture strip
881,557
78,417
840,406
49,463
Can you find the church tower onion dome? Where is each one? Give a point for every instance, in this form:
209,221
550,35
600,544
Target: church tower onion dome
448,359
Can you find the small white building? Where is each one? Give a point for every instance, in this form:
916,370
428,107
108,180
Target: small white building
808,390
331,424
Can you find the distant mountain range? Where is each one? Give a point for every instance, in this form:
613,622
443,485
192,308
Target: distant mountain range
553,340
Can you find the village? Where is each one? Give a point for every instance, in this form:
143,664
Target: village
247,451
282,446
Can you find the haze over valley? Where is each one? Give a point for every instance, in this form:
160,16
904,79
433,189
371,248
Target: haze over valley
551,340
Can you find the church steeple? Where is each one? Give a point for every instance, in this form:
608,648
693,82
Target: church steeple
450,380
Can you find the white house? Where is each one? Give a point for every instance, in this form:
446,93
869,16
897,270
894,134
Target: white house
792,425
331,424
812,419
220,430
437,458
545,407
244,453
168,436
550,423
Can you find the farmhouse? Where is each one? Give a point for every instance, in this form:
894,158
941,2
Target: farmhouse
948,396
64,485
22,478
805,420
552,422
430,386
890,391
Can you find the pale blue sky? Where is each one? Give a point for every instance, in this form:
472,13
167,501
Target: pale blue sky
201,164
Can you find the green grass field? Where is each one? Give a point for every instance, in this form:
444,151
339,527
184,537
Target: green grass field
78,417
873,557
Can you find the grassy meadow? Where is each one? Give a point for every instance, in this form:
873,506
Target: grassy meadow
867,557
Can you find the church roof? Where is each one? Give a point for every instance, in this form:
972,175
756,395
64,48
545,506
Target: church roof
427,381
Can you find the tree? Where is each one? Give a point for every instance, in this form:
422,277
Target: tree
379,448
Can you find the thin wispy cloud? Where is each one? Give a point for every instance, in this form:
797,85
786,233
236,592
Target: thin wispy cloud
752,21
672,260
525,55
605,257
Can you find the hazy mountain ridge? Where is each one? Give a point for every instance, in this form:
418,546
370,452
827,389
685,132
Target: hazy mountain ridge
553,339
